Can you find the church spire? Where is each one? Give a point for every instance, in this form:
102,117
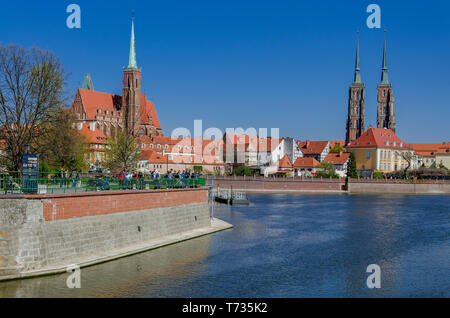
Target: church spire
132,59
384,73
357,79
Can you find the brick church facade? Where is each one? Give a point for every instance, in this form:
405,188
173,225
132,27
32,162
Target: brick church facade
356,110
110,113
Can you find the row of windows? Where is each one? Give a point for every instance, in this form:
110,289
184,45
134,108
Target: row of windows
114,113
158,146
388,166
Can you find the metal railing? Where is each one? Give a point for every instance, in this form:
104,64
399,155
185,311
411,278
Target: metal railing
13,182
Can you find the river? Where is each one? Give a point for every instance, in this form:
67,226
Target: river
293,245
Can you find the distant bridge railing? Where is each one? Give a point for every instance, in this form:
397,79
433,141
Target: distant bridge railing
16,182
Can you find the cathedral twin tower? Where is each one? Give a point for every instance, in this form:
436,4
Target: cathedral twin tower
356,111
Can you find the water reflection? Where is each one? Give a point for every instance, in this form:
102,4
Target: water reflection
286,246
125,277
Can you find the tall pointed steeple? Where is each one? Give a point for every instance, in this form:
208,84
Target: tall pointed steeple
384,73
386,111
357,79
132,59
356,111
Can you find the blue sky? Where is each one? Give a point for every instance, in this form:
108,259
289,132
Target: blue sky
263,64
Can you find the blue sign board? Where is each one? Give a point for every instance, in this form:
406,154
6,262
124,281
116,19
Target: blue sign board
30,173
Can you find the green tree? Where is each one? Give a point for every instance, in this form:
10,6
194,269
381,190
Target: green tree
351,167
60,145
377,175
31,87
122,153
198,169
337,149
242,171
326,170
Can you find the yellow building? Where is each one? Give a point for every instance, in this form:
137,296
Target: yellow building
443,155
380,149
432,154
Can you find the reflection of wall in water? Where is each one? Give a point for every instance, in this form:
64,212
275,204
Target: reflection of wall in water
119,278
373,238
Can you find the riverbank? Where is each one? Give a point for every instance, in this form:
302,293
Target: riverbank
106,256
44,234
312,185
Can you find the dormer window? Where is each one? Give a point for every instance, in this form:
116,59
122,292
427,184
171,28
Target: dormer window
158,146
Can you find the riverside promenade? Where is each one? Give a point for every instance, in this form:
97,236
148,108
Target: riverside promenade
259,184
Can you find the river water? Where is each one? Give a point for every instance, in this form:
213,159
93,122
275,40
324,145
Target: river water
285,246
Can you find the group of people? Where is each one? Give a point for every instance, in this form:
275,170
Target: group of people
126,178
131,177
186,174
65,177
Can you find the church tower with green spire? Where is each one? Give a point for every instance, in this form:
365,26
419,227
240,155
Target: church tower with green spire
356,112
386,112
131,93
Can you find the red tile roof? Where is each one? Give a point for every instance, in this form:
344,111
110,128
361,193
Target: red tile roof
93,137
312,147
337,158
148,112
285,162
337,142
305,162
379,138
92,100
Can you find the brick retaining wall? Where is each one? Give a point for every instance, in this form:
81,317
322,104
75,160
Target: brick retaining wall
58,207
280,184
41,233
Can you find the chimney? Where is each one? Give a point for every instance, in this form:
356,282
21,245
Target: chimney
340,153
308,143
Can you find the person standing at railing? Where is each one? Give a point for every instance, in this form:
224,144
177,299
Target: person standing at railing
121,179
79,178
128,179
141,180
74,179
66,177
61,178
